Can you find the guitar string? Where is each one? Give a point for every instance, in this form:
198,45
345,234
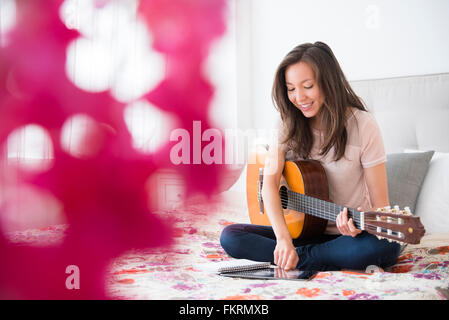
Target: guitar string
325,214
321,205
357,224
394,237
324,208
368,226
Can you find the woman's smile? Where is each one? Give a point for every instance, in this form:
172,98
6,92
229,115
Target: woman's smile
306,106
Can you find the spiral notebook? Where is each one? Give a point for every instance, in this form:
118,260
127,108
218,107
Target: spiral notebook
273,273
232,266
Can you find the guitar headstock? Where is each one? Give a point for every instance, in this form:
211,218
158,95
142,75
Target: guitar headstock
394,224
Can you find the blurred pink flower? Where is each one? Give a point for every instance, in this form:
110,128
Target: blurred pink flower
103,195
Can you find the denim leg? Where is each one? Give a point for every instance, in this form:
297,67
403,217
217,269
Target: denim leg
326,252
256,242
345,252
248,241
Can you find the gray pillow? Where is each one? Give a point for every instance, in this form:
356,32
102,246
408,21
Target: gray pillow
405,174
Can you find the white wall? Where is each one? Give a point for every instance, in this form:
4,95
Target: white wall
370,38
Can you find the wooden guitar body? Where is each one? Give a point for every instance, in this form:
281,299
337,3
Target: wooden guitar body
305,177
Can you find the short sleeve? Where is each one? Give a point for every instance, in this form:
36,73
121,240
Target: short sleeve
372,145
281,134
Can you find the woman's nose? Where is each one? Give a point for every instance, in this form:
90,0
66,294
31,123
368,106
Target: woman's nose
300,96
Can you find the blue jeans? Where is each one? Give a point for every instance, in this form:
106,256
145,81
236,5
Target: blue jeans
322,253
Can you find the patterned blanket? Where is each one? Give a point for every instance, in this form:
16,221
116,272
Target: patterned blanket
169,273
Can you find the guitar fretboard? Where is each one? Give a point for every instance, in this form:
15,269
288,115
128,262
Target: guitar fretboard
316,207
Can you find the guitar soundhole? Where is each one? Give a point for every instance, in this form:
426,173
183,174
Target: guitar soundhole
284,196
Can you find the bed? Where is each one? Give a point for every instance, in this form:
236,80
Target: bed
421,272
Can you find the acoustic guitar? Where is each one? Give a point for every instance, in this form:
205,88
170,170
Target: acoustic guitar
305,202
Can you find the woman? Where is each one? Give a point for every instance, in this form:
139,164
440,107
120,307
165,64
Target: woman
322,119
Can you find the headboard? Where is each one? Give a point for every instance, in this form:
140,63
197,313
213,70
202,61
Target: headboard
412,112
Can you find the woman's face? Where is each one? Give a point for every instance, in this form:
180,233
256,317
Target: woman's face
303,90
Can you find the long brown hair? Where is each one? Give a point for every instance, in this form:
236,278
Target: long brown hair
338,96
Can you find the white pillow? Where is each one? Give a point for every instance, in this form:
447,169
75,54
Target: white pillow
432,204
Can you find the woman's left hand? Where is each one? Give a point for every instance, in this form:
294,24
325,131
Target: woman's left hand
345,226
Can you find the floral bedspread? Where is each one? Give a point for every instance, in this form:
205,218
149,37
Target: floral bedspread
169,273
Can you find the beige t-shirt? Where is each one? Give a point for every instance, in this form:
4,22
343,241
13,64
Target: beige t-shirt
364,149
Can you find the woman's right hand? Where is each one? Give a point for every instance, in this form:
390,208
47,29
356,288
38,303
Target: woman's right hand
285,255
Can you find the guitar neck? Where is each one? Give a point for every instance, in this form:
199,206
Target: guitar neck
317,207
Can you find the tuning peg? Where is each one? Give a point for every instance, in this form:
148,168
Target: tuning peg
407,209
396,209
